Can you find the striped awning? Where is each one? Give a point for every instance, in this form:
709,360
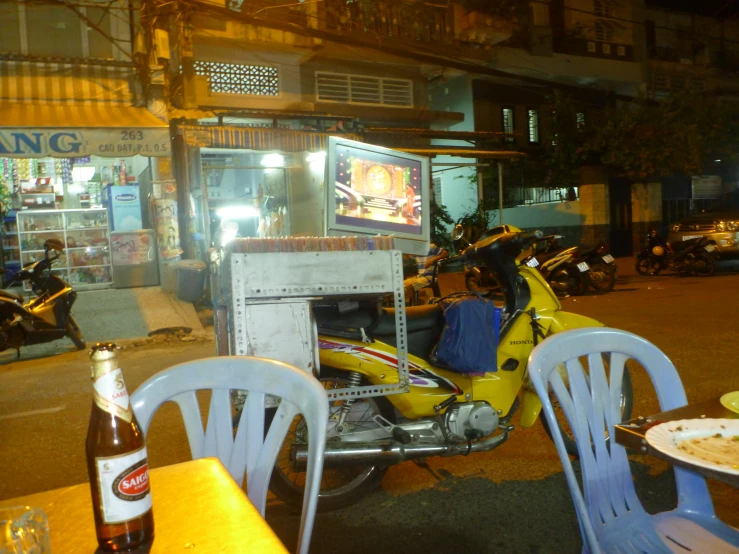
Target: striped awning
247,138
32,130
64,82
28,114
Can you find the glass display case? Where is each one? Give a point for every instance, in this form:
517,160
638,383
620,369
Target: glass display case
86,261
11,248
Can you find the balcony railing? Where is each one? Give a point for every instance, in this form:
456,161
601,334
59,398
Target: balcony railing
399,20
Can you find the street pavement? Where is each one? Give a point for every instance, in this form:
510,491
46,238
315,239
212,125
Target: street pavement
511,500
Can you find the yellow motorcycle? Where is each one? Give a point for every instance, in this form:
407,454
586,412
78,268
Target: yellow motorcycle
445,413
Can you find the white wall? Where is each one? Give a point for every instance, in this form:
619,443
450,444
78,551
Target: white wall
458,194
554,214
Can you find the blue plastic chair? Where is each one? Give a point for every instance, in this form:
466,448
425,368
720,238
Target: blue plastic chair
610,515
249,452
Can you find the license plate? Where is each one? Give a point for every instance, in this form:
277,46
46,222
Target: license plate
710,247
608,259
583,266
690,237
533,262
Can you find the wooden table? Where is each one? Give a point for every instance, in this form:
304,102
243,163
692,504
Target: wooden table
632,434
198,509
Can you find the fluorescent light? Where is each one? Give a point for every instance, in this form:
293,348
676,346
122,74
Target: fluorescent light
316,157
316,161
237,212
273,160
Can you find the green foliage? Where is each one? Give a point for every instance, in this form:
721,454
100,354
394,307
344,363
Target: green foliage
440,221
564,147
476,222
673,137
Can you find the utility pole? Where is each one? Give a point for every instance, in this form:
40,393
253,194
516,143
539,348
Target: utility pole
500,193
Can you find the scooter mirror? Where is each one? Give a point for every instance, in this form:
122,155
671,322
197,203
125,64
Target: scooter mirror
457,232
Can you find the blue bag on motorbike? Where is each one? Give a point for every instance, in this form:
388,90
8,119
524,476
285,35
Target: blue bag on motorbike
469,340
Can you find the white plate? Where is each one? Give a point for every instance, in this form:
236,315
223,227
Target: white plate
583,266
694,441
608,258
688,237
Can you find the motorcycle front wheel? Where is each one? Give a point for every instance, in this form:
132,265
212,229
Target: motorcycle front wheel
648,266
340,487
75,333
704,265
602,278
626,405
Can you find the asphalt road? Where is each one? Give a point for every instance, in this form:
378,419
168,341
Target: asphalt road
513,499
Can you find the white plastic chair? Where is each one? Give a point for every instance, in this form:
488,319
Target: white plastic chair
250,451
610,515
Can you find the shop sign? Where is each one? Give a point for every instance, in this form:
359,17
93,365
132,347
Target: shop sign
75,143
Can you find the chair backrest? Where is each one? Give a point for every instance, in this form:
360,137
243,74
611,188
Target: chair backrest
591,403
250,452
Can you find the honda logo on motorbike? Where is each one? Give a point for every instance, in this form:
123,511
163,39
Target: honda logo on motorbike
527,341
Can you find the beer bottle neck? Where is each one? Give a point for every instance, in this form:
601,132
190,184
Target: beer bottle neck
110,393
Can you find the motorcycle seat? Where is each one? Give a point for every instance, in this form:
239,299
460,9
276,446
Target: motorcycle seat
588,251
424,325
12,295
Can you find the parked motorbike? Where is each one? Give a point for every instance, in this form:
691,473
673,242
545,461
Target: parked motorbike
445,413
601,274
45,318
479,278
692,256
560,267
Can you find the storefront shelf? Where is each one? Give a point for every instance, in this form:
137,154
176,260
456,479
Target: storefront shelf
86,229
71,233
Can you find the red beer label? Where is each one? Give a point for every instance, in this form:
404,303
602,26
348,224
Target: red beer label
133,482
123,485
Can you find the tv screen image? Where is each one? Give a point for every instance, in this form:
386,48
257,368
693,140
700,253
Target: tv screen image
377,190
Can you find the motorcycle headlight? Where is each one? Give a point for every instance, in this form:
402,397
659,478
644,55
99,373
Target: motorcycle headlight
721,226
732,225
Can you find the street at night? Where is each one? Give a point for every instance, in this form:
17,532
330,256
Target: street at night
513,499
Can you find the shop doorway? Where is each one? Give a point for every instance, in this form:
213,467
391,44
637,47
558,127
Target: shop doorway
619,193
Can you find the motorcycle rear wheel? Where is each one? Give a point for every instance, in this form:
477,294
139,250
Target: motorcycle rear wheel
704,265
567,282
627,405
340,487
647,266
75,333
606,278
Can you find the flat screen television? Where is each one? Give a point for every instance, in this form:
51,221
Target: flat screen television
373,190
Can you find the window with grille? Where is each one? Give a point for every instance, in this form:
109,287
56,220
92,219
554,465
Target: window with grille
508,122
603,33
533,126
602,8
360,89
234,78
437,191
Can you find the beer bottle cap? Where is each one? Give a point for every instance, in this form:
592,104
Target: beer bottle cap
104,347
